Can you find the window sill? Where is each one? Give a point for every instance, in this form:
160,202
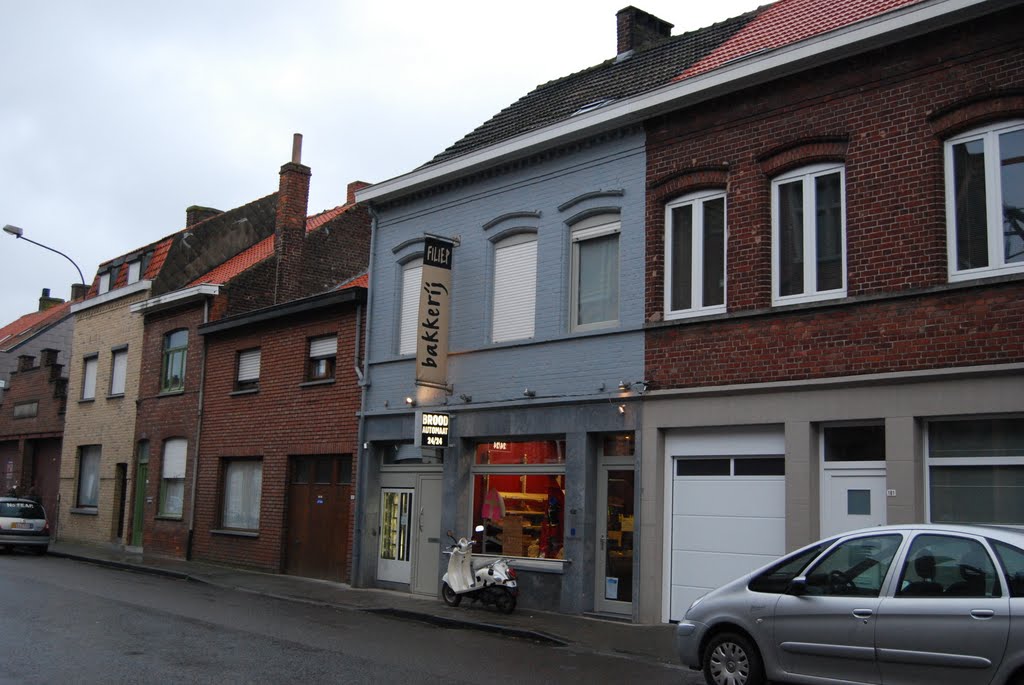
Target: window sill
167,517
171,393
246,391
236,533
84,511
86,400
313,384
116,396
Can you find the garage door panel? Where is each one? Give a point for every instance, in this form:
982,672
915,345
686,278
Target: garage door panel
730,497
734,534
709,570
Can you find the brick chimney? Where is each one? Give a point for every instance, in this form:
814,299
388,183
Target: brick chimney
26,362
638,29
290,227
47,356
79,290
195,214
45,302
353,188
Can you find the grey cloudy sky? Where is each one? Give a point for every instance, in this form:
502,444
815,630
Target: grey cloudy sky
117,115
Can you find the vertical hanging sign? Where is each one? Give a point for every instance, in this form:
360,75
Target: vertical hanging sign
435,310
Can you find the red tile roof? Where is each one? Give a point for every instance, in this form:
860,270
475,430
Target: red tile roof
790,21
24,327
357,282
261,250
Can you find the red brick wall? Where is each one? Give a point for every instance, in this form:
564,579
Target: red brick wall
160,417
884,115
283,418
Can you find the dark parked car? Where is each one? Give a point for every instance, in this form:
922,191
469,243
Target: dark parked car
915,604
23,524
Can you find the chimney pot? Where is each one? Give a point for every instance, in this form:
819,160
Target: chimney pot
297,148
637,29
79,290
45,301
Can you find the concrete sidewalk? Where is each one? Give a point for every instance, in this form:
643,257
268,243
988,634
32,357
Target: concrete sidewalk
579,633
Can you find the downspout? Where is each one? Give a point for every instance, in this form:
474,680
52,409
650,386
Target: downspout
356,577
199,432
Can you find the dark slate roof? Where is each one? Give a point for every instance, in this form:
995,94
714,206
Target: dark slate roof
643,71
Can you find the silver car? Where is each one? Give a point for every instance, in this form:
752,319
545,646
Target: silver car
923,604
23,524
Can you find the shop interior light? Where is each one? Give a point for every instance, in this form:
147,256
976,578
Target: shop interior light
410,401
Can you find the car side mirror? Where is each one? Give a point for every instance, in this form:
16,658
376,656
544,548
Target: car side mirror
797,586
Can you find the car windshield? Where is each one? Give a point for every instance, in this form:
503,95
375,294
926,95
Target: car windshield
21,510
777,578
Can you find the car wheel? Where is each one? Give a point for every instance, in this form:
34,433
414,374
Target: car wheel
506,602
732,659
450,597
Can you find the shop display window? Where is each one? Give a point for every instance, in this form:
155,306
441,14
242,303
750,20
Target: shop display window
519,498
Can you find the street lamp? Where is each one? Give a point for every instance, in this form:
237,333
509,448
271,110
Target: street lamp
20,233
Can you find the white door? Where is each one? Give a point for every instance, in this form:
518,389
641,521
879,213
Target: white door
852,498
615,531
428,535
394,563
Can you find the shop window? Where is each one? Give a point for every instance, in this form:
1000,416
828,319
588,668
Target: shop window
519,498
854,443
976,471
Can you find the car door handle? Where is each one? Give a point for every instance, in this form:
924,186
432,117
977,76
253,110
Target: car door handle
982,613
863,613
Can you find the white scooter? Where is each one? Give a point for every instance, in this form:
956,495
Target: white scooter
494,583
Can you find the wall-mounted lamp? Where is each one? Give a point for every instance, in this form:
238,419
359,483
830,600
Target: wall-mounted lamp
622,409
529,393
623,386
466,398
410,401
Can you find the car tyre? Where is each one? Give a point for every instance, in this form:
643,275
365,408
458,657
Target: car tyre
732,659
450,597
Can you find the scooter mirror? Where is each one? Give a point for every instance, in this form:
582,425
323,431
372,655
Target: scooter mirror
478,529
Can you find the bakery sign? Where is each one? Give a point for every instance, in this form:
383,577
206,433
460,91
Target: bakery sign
433,428
434,313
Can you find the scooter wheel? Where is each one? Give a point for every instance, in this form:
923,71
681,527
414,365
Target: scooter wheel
450,597
506,602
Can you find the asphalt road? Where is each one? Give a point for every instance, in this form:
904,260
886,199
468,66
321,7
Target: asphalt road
63,621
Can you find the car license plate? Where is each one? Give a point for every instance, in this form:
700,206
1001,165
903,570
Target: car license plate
20,525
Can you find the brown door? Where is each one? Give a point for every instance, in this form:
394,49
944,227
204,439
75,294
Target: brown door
319,502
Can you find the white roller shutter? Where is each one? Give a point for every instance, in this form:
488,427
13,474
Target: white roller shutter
323,347
515,289
249,365
412,277
174,458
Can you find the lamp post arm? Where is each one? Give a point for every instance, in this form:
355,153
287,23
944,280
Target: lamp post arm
81,278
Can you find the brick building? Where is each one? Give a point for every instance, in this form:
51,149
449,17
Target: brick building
31,427
48,327
834,332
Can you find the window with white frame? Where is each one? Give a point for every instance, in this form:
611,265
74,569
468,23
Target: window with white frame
243,482
104,284
595,272
172,478
695,239
409,306
118,370
515,288
134,271
248,370
809,235
985,201
172,378
88,476
323,352
976,470
89,366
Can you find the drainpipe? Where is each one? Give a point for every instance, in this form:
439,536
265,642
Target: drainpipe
199,432
362,459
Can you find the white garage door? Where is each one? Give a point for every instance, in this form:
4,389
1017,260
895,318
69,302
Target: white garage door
728,509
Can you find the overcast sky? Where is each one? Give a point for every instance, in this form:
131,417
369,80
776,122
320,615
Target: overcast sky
117,115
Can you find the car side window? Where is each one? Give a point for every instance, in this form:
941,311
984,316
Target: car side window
948,566
776,579
1012,560
855,568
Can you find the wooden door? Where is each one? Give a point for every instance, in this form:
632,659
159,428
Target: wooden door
319,504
